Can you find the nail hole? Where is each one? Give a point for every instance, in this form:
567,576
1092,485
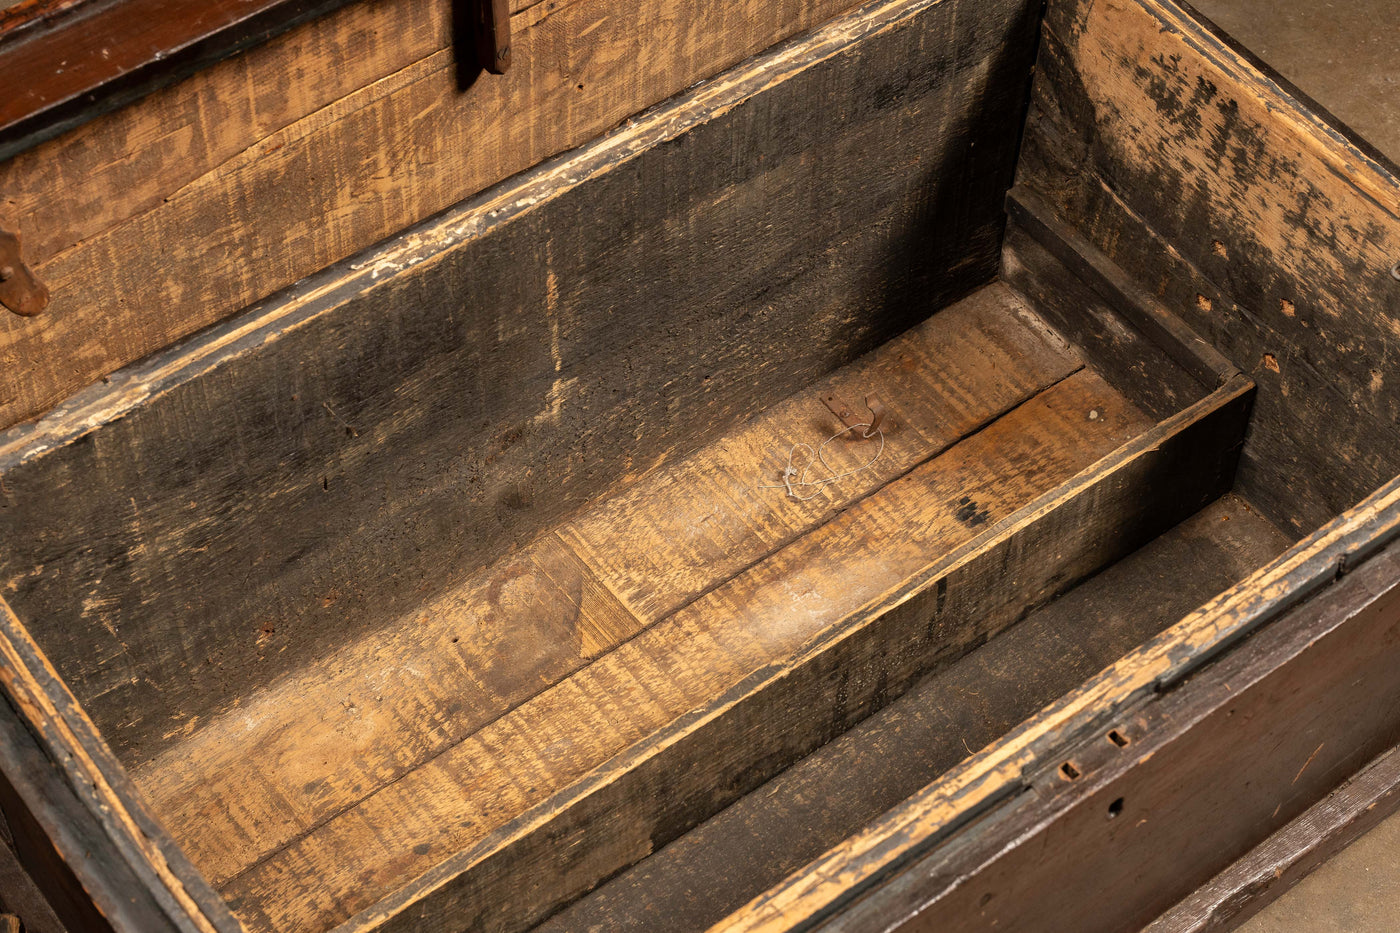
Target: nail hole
1118,738
1115,808
1069,771
1395,271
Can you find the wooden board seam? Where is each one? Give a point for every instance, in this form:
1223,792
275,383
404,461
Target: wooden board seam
427,243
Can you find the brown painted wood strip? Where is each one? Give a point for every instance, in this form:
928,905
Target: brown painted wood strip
282,203
687,661
1273,867
329,736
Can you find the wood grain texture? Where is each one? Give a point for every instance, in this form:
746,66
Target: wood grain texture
668,780
1210,769
997,774
335,460
253,175
89,831
1254,220
833,793
88,61
508,793
328,736
1273,867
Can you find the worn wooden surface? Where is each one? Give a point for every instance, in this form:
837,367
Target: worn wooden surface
20,895
1254,221
670,779
636,697
834,792
162,218
78,821
71,64
336,461
997,774
1210,770
336,731
1288,856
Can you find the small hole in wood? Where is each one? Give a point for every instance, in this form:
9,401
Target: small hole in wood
1068,771
1118,738
1115,808
580,87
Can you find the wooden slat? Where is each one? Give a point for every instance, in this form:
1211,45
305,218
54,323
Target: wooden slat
65,785
995,774
730,644
851,781
226,194
329,463
329,736
1273,867
1258,223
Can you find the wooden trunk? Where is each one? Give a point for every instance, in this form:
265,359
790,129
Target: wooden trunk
936,468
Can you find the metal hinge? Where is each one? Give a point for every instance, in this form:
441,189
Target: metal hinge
20,290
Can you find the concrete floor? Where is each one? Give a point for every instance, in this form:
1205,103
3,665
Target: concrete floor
1345,54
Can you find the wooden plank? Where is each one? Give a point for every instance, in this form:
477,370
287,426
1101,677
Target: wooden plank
1270,869
327,737
1004,771
1254,219
704,519
837,790
1210,770
289,183
83,825
20,895
1112,345
1185,347
391,427
753,706
88,62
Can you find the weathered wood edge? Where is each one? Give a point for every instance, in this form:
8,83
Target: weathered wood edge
427,243
1005,768
1236,393
69,740
1187,348
1291,854
117,80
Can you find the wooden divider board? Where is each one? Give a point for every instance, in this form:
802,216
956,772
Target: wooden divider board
321,741
173,213
698,654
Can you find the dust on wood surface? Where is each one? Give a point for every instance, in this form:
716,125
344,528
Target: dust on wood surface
528,622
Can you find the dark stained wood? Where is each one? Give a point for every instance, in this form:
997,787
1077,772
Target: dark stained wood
272,165
1251,218
338,730
1270,869
19,894
1009,775
718,866
74,62
327,464
1211,769
77,819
